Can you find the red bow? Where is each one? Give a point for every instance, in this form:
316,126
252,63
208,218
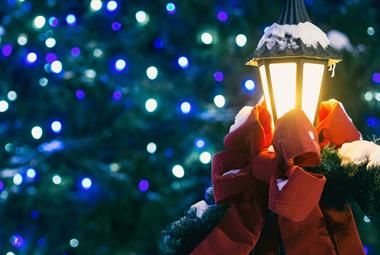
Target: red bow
251,187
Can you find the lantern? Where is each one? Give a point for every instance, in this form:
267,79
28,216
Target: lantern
293,57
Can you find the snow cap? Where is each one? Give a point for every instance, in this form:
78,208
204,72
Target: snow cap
294,36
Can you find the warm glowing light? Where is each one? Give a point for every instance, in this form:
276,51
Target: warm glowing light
311,87
37,132
284,86
264,82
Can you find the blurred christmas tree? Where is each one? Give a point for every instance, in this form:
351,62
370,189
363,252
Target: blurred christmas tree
111,110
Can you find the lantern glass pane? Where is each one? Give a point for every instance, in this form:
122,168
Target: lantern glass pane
311,88
264,82
284,85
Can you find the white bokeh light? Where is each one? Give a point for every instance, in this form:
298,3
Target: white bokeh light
96,5
12,95
207,38
56,126
183,62
56,66
219,101
37,132
39,22
241,40
17,179
151,148
151,105
56,179
22,39
205,157
31,57
152,72
142,17
3,106
249,85
120,64
185,107
112,5
86,183
74,243
31,173
50,42
178,171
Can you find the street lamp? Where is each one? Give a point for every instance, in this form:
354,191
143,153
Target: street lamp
293,57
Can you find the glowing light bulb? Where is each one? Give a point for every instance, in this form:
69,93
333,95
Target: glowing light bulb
120,64
39,22
12,95
56,179
3,106
151,105
152,72
71,19
37,132
142,17
112,5
205,157
151,148
241,40
31,173
50,42
178,171
22,39
219,101
207,38
183,62
185,107
96,5
56,126
56,66
17,179
86,183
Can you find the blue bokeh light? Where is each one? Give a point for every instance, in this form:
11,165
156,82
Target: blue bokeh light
56,126
200,143
249,85
170,7
71,19
376,78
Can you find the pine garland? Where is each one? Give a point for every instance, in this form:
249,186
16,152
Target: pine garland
343,182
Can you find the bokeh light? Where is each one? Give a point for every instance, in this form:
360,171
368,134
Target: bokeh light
142,17
120,64
151,148
4,106
205,157
241,40
207,38
17,179
185,107
96,5
152,72
144,185
151,105
31,173
178,171
171,8
74,243
183,62
37,132
56,179
56,126
112,6
71,19
219,101
86,183
39,22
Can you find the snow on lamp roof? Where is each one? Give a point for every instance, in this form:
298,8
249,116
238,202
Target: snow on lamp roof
294,36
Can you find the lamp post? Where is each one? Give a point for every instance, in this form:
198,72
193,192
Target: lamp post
293,57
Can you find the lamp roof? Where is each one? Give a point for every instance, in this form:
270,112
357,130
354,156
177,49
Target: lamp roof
294,36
